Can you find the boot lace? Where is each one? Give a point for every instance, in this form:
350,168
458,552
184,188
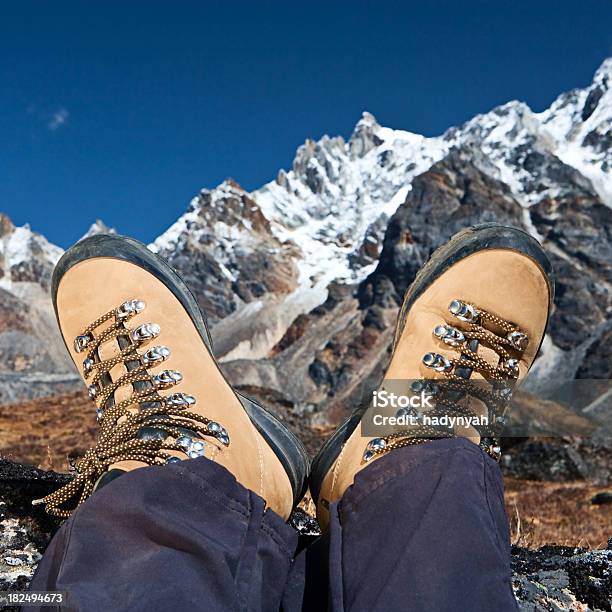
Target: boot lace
452,392
146,426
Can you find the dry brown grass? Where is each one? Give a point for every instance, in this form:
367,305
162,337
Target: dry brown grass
557,513
45,432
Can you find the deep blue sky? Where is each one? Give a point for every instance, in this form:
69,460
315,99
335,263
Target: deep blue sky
123,110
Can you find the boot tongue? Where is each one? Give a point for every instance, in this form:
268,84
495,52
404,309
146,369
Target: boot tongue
473,345
139,385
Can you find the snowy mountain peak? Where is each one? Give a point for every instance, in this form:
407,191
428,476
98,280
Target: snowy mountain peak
98,227
331,207
6,225
225,219
25,256
579,123
365,136
368,120
228,187
504,124
603,75
573,108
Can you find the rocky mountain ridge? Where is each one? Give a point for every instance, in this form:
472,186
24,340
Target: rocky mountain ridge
307,272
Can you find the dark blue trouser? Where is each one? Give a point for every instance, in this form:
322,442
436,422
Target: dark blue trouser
423,528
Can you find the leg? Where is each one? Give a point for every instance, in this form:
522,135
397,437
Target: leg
423,528
182,536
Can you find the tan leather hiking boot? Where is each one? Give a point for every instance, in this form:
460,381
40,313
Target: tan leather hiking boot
470,326
141,344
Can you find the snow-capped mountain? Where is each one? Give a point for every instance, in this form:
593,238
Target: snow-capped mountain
332,207
580,124
98,227
312,254
33,360
25,255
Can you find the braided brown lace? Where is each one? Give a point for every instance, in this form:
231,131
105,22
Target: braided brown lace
483,328
146,426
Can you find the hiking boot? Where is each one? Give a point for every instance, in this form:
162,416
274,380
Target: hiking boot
470,327
141,344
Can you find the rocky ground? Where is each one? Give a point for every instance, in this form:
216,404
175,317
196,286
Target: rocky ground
562,578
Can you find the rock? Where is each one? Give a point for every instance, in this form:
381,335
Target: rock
25,529
562,578
226,251
596,364
591,102
365,214
33,359
452,195
561,459
304,524
98,227
577,229
364,137
605,497
333,355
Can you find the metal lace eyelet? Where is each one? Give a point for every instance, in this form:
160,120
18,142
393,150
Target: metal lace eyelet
512,365
155,355
180,400
145,333
449,335
437,362
129,308
81,342
193,447
518,339
464,311
425,386
377,444
88,364
197,449
219,432
167,378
